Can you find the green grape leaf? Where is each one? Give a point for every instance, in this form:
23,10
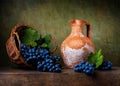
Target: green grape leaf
30,37
96,58
46,41
47,38
44,45
99,61
50,45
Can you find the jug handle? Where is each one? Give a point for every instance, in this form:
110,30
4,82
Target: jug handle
89,31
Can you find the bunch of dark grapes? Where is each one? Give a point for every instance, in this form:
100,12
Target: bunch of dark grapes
40,58
85,67
49,66
106,65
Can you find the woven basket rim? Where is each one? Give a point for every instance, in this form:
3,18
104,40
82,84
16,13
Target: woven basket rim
25,25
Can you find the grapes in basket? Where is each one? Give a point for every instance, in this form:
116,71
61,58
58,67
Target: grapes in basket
36,51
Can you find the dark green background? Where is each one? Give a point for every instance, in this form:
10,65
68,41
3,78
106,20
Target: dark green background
52,16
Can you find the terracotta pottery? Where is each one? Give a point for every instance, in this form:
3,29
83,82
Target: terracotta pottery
76,47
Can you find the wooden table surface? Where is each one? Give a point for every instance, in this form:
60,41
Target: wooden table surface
25,77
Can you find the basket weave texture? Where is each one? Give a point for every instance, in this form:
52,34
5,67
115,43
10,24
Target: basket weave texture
13,45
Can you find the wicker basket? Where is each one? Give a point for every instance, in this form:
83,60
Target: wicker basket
13,46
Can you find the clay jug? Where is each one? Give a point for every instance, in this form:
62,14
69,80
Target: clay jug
77,46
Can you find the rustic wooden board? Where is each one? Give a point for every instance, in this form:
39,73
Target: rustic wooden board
20,77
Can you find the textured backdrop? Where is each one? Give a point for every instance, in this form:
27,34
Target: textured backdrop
52,16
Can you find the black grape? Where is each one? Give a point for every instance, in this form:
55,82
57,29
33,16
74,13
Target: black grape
40,58
48,66
106,65
85,67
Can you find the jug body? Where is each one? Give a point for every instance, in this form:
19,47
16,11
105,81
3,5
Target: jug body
76,47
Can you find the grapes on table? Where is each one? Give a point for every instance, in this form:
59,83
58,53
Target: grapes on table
85,67
48,66
40,58
89,68
106,65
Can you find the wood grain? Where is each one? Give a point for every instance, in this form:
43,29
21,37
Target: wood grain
20,77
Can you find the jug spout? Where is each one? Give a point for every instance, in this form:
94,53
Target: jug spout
77,26
77,22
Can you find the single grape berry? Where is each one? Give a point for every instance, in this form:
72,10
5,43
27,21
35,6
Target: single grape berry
106,65
85,67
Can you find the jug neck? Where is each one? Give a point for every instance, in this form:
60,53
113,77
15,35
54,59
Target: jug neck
76,29
77,26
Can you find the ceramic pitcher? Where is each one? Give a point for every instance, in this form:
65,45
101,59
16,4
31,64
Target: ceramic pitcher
77,46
